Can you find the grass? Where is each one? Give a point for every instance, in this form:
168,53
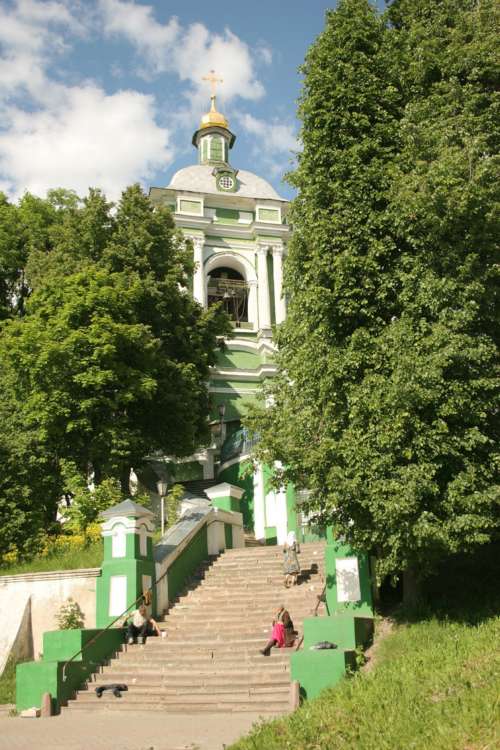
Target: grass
89,557
435,686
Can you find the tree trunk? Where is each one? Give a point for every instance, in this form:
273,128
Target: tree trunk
411,588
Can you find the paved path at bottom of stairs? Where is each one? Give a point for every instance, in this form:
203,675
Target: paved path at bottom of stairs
130,731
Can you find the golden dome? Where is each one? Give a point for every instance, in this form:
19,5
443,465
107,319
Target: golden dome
213,118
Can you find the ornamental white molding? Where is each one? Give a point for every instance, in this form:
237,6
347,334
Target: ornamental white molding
236,391
263,246
237,374
261,346
131,525
224,489
198,242
234,260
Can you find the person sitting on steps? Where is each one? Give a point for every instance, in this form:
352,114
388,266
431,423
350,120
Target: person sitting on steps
282,634
140,625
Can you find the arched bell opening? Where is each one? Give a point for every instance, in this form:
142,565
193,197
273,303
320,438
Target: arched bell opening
229,286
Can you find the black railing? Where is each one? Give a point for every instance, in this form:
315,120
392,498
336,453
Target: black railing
238,443
142,597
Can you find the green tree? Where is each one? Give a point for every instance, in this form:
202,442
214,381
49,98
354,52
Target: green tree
386,405
110,361
12,257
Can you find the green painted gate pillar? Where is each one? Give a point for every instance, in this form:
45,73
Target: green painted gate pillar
348,578
128,567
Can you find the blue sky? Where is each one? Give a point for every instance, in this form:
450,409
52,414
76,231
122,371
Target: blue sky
109,92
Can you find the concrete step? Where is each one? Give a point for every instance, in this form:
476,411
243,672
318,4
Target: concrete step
220,630
212,651
271,549
208,660
226,561
263,593
274,708
214,623
268,669
280,690
185,682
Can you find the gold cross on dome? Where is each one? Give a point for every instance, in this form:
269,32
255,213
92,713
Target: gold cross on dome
212,78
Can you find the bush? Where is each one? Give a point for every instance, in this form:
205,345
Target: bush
70,616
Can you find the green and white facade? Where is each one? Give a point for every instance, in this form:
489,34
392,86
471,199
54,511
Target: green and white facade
238,227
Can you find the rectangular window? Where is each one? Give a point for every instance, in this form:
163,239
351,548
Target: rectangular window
117,595
143,541
227,216
192,207
119,541
271,215
216,149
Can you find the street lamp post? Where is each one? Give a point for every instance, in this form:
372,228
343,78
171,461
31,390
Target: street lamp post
222,411
162,487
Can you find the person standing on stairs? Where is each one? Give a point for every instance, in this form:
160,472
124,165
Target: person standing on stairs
291,566
140,626
283,633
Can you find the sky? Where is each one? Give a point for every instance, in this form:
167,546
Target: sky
105,93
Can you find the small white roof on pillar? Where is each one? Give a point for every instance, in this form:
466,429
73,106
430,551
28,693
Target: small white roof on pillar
224,489
127,508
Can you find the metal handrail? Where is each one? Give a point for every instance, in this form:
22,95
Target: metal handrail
320,600
110,625
314,614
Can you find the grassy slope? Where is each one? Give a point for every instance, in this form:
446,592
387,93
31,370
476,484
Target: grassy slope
90,557
436,685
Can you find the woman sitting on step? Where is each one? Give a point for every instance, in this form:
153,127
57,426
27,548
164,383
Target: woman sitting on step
282,634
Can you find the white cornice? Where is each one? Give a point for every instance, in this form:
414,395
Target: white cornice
261,345
236,390
242,374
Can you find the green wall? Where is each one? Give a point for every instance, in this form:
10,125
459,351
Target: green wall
187,562
238,475
335,549
317,670
35,678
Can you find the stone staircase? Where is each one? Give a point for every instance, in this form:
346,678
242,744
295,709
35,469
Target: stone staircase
210,660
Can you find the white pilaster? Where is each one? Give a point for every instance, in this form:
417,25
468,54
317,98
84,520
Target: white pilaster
199,285
259,504
281,511
263,288
279,300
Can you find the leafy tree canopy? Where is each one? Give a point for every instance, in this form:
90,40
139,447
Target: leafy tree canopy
386,407
109,360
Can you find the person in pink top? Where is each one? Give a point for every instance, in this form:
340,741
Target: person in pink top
282,633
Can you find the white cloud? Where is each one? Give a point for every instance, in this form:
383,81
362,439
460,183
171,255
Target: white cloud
275,142
190,51
138,25
53,134
93,140
273,136
69,136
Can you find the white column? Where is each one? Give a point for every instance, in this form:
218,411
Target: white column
279,300
199,291
259,504
263,288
